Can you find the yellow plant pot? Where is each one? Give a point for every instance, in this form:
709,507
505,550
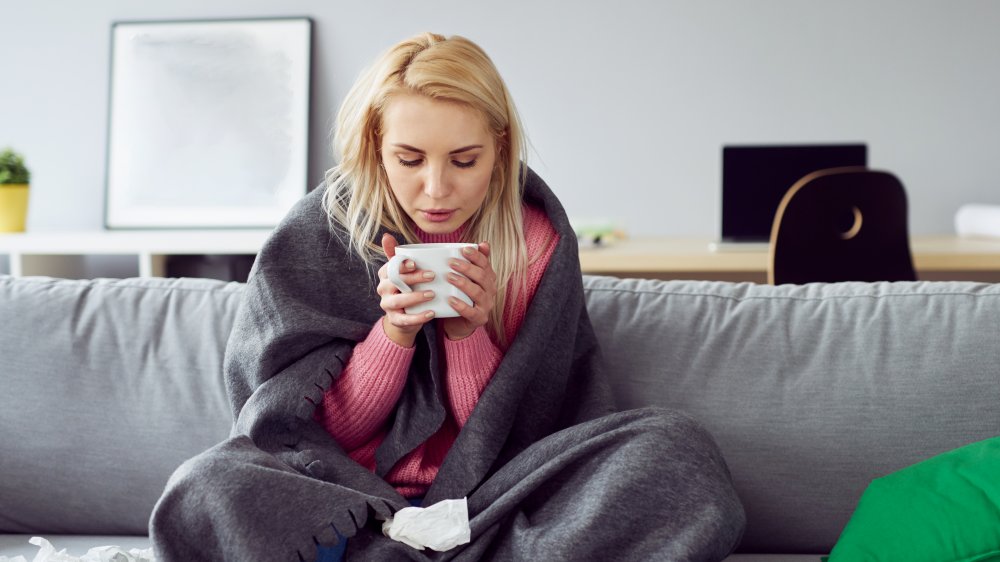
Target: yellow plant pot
13,206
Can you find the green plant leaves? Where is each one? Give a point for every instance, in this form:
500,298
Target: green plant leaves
12,168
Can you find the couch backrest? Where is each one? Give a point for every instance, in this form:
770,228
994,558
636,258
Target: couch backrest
811,391
107,386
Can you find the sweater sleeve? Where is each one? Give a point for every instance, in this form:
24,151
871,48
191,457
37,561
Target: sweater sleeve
471,362
356,406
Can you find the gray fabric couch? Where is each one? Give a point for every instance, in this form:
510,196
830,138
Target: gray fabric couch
811,392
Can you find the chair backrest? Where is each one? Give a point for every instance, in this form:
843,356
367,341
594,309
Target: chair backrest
842,224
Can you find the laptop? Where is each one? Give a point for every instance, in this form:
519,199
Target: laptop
756,177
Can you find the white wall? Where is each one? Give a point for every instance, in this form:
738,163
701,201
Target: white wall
627,103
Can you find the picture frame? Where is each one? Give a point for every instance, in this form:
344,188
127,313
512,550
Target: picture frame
208,122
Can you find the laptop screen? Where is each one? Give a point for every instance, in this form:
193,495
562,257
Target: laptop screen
755,178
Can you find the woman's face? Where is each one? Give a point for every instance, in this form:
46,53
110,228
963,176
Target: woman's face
439,159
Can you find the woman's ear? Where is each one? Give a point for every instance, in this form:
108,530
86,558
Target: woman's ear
500,142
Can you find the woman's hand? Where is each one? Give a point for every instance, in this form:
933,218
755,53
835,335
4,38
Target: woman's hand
480,284
400,327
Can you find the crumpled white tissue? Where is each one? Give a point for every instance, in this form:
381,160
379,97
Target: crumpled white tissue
47,553
440,527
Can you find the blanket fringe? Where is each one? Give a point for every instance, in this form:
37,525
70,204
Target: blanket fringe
327,536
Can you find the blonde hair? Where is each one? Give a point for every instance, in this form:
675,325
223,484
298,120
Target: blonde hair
359,199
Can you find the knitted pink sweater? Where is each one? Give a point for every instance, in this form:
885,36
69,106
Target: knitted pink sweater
356,408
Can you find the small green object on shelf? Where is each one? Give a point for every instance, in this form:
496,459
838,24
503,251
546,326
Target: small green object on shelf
12,168
14,179
601,233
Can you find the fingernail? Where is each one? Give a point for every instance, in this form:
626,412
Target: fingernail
455,263
454,277
468,250
428,295
428,275
429,314
454,302
409,264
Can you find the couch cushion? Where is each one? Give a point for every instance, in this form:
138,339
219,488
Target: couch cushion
811,391
108,385
944,508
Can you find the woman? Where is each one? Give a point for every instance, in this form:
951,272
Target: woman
346,407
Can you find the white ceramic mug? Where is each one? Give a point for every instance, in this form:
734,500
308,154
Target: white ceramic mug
430,257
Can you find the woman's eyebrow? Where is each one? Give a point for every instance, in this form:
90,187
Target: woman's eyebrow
419,151
408,147
465,148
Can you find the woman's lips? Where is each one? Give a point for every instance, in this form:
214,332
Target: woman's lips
438,215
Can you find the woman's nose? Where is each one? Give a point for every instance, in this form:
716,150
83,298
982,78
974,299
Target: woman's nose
436,182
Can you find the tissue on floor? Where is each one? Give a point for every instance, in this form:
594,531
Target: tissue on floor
978,220
48,553
440,527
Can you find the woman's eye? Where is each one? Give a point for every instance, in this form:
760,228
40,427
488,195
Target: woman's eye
409,163
468,164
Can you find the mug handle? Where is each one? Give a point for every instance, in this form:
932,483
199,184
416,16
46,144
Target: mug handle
392,269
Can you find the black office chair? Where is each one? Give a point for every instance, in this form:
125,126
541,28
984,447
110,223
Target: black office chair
842,224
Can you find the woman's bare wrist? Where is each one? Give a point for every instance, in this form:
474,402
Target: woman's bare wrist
398,336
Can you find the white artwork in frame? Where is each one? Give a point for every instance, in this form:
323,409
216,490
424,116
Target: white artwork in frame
208,122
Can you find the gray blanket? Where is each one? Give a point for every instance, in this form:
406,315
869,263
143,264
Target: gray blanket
549,470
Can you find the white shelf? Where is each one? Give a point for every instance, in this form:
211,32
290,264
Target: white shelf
58,254
131,242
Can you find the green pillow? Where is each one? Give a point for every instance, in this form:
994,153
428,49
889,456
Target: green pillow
944,509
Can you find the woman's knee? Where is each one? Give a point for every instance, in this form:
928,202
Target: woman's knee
671,426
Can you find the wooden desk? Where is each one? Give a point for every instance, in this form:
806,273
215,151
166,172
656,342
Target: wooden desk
61,254
934,257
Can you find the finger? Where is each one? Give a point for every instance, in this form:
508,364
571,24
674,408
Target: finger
408,278
473,255
400,301
473,314
479,295
480,254
403,320
389,244
470,275
483,277
417,276
385,287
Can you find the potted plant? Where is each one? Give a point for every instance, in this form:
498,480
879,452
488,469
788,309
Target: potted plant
14,179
